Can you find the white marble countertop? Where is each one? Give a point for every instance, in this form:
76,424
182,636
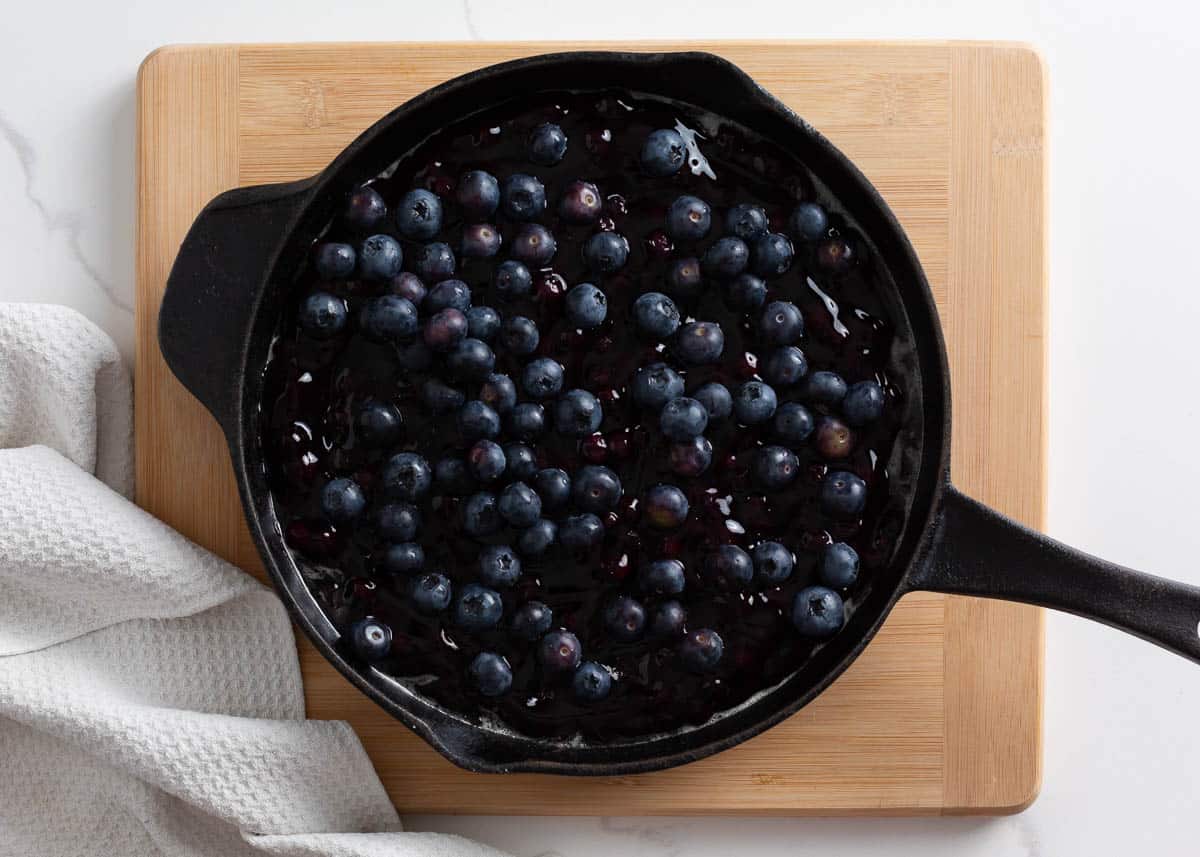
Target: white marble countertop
1122,766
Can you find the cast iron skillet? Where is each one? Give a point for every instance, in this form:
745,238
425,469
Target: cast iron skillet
222,306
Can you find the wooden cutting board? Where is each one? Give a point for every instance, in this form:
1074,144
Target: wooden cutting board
942,714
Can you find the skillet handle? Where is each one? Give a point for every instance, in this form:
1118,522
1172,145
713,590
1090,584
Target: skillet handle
212,293
979,552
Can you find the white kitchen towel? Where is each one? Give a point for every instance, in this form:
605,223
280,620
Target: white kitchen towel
150,696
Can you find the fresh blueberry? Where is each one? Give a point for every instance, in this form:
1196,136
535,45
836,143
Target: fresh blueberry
478,194
542,378
863,403
596,489
716,400
378,423
808,221
669,621
371,639
665,506
364,209
688,219
690,457
754,403
560,651
434,262
499,566
486,460
480,241
406,476
793,424
531,620
419,215
818,612
656,315
745,292
322,315
477,420
663,153
662,577
591,682
772,255
446,329
773,562
523,197
625,619
683,278
471,359
519,505
700,342
491,674
746,221
512,280
683,418
834,438
553,486
342,500
732,564
655,385
380,258
536,539
477,608
519,335
547,144
388,318
408,286
483,322
839,565
843,495
581,203
453,294
441,398
700,651
453,477
404,558
480,515
775,467
825,388
586,306
335,261
784,366
726,258
781,323
533,244
522,461
527,420
836,255
431,592
577,414
581,532
399,522
606,252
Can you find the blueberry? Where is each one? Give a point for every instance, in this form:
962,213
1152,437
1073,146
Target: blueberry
364,209
519,335
700,342
398,522
825,388
388,318
834,438
808,221
591,682
843,495
480,515
322,315
547,144
483,322
746,221
446,329
419,215
683,418
477,608
577,414
596,489
378,423
586,306
669,621
655,385
527,420
486,460
839,565
522,461
335,261
784,366
404,558
499,566
606,252
772,255
683,278
732,564
491,674
408,286
406,476
441,398
480,241
453,477
656,315
666,506
478,194
434,262
581,532
471,359
781,323
754,403
431,592
775,467
523,197
512,279
688,219
581,203
745,292
773,562
663,153
690,457
716,400
371,639
449,294
726,258
818,612
560,651
793,424
863,403
342,500
542,378
536,539
553,486
533,244
477,420
836,255
700,650
519,505
662,577
625,619
380,258
531,620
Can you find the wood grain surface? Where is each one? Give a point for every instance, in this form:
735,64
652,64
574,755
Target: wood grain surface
942,714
